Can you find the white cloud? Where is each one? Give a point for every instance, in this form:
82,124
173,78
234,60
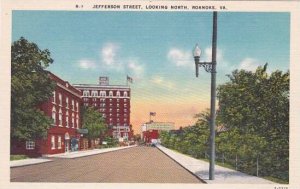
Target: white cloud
135,67
160,81
180,57
109,53
208,54
86,64
249,64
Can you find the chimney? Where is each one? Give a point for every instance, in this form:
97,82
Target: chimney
103,80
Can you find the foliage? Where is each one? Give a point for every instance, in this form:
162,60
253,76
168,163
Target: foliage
17,157
30,86
111,142
93,121
254,109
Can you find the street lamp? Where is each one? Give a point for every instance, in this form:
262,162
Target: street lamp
211,68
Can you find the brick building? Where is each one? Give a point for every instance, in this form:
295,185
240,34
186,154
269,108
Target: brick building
150,130
64,109
113,102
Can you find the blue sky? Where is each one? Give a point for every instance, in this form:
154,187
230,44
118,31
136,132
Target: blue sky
155,48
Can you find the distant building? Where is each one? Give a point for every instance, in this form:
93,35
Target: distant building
63,136
150,130
113,102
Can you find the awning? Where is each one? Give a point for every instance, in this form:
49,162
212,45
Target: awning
82,131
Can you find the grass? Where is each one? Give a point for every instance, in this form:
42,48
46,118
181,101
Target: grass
229,166
277,180
17,157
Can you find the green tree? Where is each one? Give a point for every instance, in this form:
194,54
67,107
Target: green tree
30,86
93,121
255,105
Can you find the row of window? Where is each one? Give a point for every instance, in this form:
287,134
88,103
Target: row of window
103,93
53,144
110,115
60,118
60,101
103,99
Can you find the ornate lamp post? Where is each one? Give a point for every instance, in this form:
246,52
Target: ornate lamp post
211,68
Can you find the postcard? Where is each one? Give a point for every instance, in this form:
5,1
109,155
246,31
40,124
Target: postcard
142,94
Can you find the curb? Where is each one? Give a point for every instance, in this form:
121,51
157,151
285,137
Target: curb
200,179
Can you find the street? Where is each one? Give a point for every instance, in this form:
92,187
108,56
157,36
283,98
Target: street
133,165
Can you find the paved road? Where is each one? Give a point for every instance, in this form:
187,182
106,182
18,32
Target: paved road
133,165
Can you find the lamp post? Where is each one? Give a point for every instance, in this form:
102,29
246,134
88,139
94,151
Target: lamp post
211,68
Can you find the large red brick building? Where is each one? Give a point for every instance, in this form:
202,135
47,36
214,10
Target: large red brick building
113,102
63,136
151,130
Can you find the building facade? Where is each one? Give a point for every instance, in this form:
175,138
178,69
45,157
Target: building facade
62,136
113,102
150,130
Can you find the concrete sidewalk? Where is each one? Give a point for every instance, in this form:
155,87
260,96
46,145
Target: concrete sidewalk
31,161
222,175
78,154
70,155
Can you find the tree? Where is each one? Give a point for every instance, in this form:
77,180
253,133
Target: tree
93,121
256,106
30,86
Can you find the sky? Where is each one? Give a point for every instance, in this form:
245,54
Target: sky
155,49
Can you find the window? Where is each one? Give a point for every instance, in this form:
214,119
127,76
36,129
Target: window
125,115
67,102
77,122
110,119
118,100
110,109
67,119
102,105
95,104
54,115
110,104
118,110
86,104
102,93
60,99
118,93
110,115
30,145
125,105
52,142
118,105
73,105
85,99
118,115
54,97
110,100
59,142
102,100
77,106
110,93
86,93
72,120
60,117
125,110
104,115
125,94
125,119
125,100
95,93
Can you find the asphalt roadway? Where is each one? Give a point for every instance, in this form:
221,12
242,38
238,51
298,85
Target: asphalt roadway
132,165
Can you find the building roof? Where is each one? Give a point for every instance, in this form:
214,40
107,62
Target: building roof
84,86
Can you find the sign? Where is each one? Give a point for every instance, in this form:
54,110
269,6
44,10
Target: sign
82,131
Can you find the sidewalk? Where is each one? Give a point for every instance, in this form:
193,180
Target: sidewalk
222,175
71,155
78,154
31,161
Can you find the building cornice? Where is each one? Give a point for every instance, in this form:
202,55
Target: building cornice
67,89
